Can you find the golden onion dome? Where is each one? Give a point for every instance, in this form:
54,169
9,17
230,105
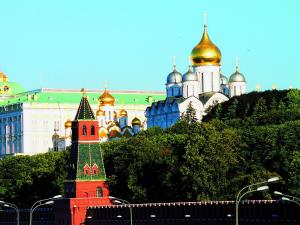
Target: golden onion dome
136,122
68,124
206,53
103,132
122,113
106,99
3,77
100,112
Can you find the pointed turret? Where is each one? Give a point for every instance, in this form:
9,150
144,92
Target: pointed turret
84,111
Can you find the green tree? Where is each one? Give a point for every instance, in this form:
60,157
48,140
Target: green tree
190,114
232,110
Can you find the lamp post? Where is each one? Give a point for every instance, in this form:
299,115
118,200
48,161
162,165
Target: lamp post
289,198
249,187
10,205
47,201
122,201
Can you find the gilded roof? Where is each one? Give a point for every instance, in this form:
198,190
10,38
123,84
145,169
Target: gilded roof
106,99
206,53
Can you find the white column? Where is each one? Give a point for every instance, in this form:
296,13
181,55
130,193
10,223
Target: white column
209,78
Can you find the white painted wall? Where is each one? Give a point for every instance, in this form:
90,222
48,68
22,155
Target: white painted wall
237,88
208,77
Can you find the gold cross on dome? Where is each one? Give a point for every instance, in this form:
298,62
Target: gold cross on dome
237,61
105,85
205,17
174,62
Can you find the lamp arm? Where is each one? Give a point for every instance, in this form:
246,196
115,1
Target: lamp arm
294,201
248,186
32,210
16,209
39,202
248,192
292,197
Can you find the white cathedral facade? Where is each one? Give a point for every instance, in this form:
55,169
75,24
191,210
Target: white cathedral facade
202,86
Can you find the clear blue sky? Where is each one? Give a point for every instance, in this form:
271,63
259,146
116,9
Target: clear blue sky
130,44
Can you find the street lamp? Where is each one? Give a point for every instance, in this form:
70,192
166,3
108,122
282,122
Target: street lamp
9,205
122,201
249,188
288,197
47,201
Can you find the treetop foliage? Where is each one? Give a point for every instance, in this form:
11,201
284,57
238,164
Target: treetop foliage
244,140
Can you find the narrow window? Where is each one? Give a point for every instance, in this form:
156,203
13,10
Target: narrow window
93,130
99,192
84,132
95,169
86,170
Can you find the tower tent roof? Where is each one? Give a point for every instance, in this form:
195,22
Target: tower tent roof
84,111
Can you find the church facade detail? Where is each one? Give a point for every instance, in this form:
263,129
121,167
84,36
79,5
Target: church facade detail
202,86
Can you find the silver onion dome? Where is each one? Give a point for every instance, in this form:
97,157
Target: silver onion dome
189,76
174,77
223,80
237,77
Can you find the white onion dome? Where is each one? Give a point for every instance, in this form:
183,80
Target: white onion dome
189,76
223,80
237,76
174,77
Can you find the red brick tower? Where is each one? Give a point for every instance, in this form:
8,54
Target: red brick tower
86,185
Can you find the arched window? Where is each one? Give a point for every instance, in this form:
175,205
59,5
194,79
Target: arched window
84,132
99,192
92,130
86,170
95,169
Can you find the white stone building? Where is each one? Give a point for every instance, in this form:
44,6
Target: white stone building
39,121
202,86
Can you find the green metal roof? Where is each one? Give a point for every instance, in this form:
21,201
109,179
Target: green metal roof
14,88
74,97
85,111
90,155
